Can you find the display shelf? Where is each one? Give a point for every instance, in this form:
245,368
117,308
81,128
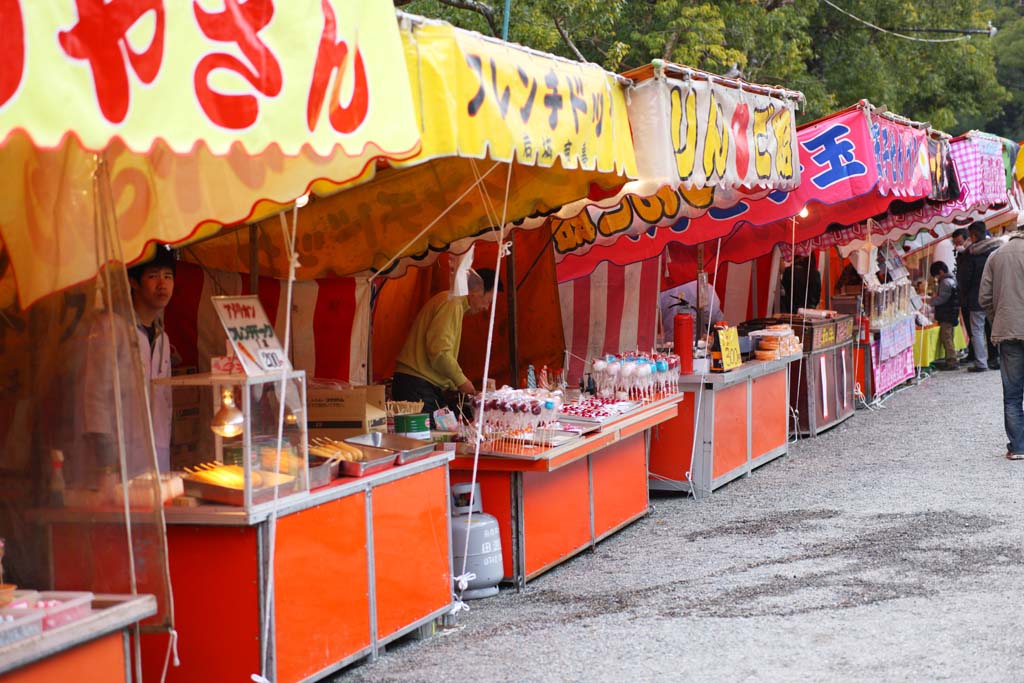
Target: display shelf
110,614
382,540
552,508
742,424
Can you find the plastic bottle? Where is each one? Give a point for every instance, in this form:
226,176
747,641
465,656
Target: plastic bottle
56,478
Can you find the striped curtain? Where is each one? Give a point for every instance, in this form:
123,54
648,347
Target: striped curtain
330,320
611,310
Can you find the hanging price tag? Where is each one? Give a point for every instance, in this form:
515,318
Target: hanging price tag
250,333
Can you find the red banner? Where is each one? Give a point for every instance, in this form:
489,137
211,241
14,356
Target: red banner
852,155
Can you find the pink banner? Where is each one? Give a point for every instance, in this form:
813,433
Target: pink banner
849,155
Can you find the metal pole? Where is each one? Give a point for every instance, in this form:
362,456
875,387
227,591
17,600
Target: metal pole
513,314
510,278
701,279
254,259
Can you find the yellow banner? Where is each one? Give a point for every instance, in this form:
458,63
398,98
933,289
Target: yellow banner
259,73
485,133
173,173
1018,167
480,97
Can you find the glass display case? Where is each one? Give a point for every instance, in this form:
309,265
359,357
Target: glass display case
240,463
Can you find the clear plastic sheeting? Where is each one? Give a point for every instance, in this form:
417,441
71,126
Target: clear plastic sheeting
79,482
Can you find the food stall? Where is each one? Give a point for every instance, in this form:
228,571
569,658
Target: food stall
583,481
95,171
267,540
609,285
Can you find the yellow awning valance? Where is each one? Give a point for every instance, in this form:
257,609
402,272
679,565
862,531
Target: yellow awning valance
495,120
192,117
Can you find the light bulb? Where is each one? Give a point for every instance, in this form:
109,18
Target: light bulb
804,212
229,420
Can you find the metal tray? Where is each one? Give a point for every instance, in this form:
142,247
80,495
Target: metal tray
552,438
406,449
322,471
228,496
377,459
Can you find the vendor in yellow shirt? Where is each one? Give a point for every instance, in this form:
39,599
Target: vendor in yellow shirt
428,364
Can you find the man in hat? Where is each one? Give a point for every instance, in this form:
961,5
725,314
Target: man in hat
428,364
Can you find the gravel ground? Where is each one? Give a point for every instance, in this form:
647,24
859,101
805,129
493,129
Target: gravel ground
888,548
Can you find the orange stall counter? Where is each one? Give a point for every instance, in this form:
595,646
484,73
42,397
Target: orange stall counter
729,424
559,502
356,565
91,649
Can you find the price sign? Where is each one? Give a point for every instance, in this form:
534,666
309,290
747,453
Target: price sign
251,334
729,342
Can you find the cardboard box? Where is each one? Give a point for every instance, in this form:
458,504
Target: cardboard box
337,414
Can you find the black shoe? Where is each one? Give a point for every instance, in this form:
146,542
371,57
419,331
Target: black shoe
993,366
975,368
944,366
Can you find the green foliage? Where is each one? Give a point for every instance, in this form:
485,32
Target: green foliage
805,45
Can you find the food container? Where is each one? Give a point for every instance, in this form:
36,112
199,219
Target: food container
816,333
376,460
553,438
24,623
406,449
322,471
414,426
236,496
73,605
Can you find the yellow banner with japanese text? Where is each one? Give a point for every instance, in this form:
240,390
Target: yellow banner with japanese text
479,97
249,106
505,132
295,74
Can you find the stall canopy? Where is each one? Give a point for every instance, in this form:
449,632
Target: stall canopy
983,172
702,143
497,122
987,192
856,163
197,117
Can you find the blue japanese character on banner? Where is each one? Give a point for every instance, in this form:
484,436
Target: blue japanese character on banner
835,152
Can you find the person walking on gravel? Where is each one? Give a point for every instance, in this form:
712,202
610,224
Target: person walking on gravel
1001,294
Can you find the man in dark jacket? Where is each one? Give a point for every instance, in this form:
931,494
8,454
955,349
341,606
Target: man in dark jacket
801,285
961,239
947,313
968,278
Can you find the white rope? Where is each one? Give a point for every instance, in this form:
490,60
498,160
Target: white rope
463,577
703,374
293,263
424,231
894,33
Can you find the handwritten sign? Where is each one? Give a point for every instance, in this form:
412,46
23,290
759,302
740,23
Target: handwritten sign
729,343
251,335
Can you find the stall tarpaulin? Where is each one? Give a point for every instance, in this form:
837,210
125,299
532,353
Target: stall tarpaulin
987,192
200,117
702,143
482,106
855,164
1018,167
